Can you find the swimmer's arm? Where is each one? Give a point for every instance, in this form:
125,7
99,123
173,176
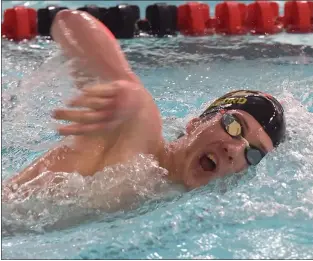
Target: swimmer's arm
92,141
82,155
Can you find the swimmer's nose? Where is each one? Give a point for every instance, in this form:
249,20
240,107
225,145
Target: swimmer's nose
234,150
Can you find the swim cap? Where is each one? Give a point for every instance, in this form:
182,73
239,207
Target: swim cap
262,106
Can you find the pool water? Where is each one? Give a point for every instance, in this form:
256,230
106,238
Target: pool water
266,214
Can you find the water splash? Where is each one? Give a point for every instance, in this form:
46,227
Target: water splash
56,200
265,214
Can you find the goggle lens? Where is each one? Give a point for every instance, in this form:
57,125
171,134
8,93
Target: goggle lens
253,156
233,127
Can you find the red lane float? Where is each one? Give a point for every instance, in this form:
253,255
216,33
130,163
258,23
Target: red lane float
19,23
230,18
192,19
298,16
263,18
311,8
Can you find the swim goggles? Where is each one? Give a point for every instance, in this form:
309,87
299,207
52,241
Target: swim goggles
231,124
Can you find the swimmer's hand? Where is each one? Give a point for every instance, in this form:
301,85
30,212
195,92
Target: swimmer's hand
106,106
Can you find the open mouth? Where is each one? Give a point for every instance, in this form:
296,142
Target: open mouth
208,162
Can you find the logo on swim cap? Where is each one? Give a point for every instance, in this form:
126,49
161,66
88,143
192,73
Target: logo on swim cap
262,106
231,100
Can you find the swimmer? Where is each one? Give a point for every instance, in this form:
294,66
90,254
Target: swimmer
113,120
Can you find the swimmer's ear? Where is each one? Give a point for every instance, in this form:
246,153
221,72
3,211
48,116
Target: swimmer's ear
192,125
85,38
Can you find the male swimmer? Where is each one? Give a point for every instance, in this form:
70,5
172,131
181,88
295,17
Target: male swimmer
116,119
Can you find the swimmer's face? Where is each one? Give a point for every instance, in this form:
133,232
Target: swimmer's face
210,152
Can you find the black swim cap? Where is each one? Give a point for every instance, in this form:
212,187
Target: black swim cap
263,107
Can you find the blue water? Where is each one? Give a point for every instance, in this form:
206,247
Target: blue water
267,214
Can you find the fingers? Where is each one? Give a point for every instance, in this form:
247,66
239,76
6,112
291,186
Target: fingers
93,103
102,107
100,91
82,116
103,90
86,129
